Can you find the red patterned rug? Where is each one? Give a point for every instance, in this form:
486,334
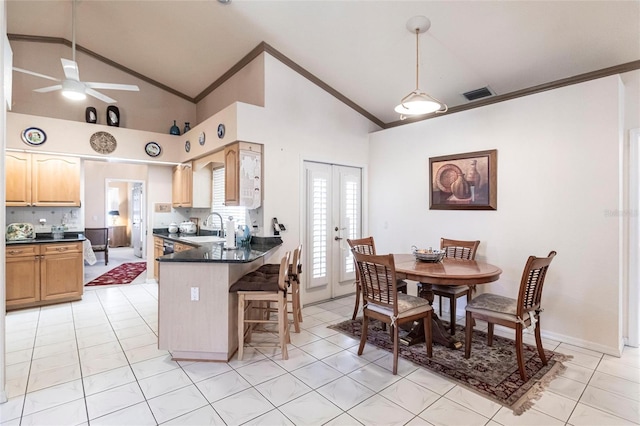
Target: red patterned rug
122,274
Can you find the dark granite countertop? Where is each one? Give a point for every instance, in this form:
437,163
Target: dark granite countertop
215,252
48,239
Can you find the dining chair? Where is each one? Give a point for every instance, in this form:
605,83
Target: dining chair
382,301
253,291
99,238
367,246
455,249
513,313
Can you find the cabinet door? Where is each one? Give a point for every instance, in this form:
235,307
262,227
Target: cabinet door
181,195
177,247
22,276
157,252
18,176
61,275
231,175
55,181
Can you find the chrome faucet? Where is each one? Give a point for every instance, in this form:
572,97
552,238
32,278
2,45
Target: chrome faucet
208,223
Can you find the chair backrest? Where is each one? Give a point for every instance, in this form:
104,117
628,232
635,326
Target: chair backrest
283,272
530,294
459,249
378,279
97,236
296,264
363,245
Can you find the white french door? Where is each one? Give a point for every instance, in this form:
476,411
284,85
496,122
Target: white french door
333,213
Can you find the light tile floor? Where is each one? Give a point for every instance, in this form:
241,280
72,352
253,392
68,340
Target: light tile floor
96,362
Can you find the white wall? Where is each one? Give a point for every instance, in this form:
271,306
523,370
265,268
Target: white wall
3,127
299,122
559,173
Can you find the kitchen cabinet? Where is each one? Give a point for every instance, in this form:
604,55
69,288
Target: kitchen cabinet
158,250
178,247
181,194
41,274
243,175
192,186
118,236
42,180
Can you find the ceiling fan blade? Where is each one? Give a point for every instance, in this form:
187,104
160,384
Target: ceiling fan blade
48,89
114,86
35,74
70,69
98,95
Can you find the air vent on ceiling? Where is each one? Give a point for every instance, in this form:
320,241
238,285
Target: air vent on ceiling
483,92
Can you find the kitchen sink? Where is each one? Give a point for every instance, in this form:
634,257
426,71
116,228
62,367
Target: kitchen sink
203,239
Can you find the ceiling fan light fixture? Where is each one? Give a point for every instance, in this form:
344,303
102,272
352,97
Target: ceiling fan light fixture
418,102
73,90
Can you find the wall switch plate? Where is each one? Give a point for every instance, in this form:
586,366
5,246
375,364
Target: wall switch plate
195,294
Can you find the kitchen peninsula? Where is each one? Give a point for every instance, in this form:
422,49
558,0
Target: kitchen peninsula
197,316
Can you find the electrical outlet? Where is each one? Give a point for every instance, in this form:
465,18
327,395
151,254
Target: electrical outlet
195,294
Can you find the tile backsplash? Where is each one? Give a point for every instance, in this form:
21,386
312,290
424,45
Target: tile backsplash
68,216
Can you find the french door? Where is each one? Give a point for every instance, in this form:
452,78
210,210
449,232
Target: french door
136,219
333,213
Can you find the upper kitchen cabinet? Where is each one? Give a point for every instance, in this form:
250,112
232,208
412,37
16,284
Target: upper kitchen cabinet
192,186
243,175
42,180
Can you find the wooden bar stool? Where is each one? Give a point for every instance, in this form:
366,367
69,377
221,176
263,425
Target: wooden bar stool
255,289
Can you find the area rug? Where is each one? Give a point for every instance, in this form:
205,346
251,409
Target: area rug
122,274
491,371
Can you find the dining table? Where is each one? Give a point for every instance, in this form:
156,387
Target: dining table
448,271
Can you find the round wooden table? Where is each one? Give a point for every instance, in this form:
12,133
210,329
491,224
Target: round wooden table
447,272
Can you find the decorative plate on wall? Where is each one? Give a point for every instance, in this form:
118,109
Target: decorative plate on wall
103,142
221,130
201,138
34,136
187,146
153,149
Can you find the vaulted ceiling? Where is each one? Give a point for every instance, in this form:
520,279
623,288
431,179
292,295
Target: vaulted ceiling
361,49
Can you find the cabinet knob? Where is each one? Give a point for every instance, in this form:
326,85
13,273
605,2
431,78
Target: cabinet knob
62,248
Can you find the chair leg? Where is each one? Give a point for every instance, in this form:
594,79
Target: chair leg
468,328
283,325
452,314
106,257
543,357
440,305
295,306
519,353
357,306
426,323
396,338
490,334
363,338
240,326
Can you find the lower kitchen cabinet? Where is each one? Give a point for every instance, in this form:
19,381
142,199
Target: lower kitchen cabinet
158,251
42,274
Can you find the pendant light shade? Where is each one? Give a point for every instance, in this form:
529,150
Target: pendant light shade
418,102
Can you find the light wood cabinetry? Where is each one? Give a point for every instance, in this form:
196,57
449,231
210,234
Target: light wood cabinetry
243,174
42,180
181,194
178,247
41,274
118,236
158,251
192,185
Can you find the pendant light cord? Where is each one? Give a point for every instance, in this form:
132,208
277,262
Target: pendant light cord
417,58
73,29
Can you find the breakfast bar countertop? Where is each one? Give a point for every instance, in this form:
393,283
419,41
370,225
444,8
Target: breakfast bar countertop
47,238
215,251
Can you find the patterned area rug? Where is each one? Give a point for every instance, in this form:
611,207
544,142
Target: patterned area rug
122,274
491,371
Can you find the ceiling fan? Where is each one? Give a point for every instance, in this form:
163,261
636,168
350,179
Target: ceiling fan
71,86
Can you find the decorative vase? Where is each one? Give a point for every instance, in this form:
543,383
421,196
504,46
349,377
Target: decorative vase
187,127
473,176
174,130
460,188
113,116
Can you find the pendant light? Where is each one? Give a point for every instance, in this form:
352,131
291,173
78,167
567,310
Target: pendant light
418,102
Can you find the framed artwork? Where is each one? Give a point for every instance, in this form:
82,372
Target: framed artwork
464,181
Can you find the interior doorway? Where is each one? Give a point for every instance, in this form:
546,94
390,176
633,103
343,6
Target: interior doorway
333,213
125,214
633,304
